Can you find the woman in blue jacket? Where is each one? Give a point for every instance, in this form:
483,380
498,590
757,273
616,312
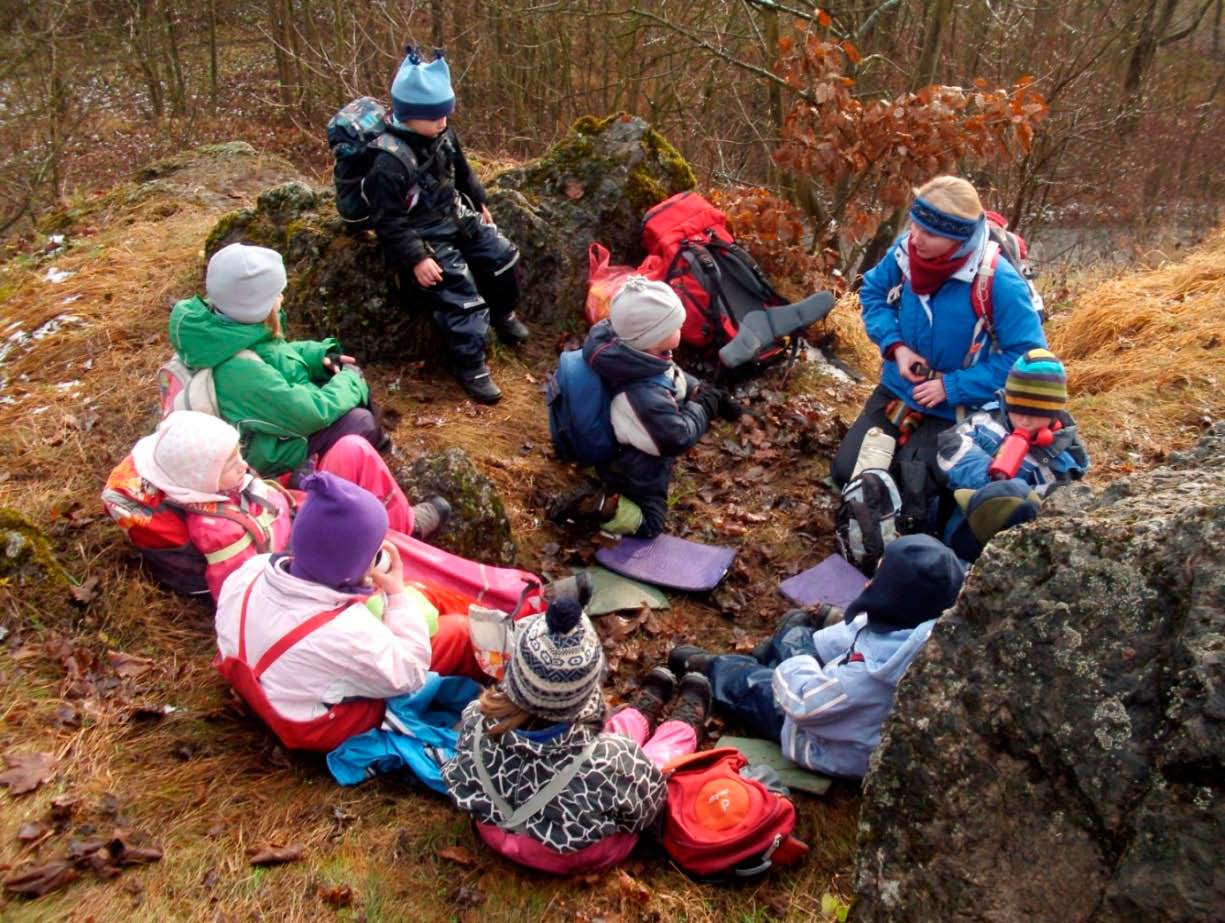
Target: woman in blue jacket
939,355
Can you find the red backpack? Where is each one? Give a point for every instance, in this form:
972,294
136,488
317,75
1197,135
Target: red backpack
157,528
720,823
716,279
1013,248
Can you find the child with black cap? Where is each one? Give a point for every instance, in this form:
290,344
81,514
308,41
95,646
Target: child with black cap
824,694
432,218
550,783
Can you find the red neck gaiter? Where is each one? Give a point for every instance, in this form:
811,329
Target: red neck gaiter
926,276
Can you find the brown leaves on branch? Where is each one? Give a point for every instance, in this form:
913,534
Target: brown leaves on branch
870,152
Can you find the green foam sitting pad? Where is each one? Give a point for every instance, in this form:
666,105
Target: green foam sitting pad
612,593
793,775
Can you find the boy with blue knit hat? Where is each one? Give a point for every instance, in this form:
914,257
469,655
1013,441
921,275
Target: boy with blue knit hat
824,692
431,216
1026,434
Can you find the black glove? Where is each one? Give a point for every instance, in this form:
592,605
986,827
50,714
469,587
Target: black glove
708,400
729,410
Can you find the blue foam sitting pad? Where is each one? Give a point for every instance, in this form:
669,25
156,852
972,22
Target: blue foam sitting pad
835,581
669,562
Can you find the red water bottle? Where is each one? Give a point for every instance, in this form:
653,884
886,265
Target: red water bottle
1009,455
1015,447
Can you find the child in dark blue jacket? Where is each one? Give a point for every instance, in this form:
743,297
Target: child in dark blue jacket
658,411
435,227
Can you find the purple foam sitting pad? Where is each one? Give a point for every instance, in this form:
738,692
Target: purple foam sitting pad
669,562
835,581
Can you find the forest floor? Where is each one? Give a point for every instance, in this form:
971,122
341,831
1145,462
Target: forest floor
144,737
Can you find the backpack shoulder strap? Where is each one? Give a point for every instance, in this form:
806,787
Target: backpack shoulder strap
397,149
255,532
542,798
980,301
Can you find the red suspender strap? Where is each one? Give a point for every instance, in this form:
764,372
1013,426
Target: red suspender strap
242,622
292,637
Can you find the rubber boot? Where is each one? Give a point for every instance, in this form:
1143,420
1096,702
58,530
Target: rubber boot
689,658
510,329
429,517
478,382
693,702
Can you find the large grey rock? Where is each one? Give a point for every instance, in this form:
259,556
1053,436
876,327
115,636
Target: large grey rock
1057,749
478,528
594,184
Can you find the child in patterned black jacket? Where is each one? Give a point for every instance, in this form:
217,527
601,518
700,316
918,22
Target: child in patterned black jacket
550,782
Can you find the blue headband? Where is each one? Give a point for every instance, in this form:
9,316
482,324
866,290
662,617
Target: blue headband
932,219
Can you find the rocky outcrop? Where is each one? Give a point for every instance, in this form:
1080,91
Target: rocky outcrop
478,528
1058,749
594,184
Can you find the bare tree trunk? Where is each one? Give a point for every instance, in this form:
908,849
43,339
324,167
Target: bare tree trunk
212,56
937,19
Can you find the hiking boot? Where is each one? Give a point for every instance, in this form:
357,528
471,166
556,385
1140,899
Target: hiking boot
511,330
654,690
588,503
689,658
478,382
693,702
429,517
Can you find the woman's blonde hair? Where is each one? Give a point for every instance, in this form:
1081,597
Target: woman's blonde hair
510,717
951,194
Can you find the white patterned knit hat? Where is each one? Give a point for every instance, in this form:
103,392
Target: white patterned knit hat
557,665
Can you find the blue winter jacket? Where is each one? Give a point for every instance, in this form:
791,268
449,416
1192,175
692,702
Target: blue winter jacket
965,452
939,328
835,703
653,422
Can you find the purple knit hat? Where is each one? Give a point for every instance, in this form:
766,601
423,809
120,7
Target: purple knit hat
337,532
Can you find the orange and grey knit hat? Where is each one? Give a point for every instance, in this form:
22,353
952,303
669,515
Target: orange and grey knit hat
1037,384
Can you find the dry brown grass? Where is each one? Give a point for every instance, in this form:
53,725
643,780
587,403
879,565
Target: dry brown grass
1145,353
204,782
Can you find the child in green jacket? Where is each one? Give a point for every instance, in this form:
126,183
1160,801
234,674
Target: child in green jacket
291,401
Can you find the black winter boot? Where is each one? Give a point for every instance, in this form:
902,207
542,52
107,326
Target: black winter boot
693,703
689,658
510,329
588,503
430,516
654,691
478,382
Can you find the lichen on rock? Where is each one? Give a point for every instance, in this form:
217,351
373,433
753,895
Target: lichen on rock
1057,750
479,528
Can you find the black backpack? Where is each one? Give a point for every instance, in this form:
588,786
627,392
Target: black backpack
356,134
867,518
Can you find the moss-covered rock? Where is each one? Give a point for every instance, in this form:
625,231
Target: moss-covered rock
29,569
478,528
594,184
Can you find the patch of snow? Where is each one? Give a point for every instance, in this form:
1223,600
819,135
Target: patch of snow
56,276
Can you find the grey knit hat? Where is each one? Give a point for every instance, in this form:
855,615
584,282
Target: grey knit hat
557,664
644,312
243,282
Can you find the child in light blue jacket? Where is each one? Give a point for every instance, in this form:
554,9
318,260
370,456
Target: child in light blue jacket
825,694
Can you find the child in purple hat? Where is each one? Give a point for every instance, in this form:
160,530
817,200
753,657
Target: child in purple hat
315,640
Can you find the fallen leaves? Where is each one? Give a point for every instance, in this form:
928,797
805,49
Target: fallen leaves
107,857
276,855
459,855
27,771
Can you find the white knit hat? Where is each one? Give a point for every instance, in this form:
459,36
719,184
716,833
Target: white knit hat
243,282
644,313
186,455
